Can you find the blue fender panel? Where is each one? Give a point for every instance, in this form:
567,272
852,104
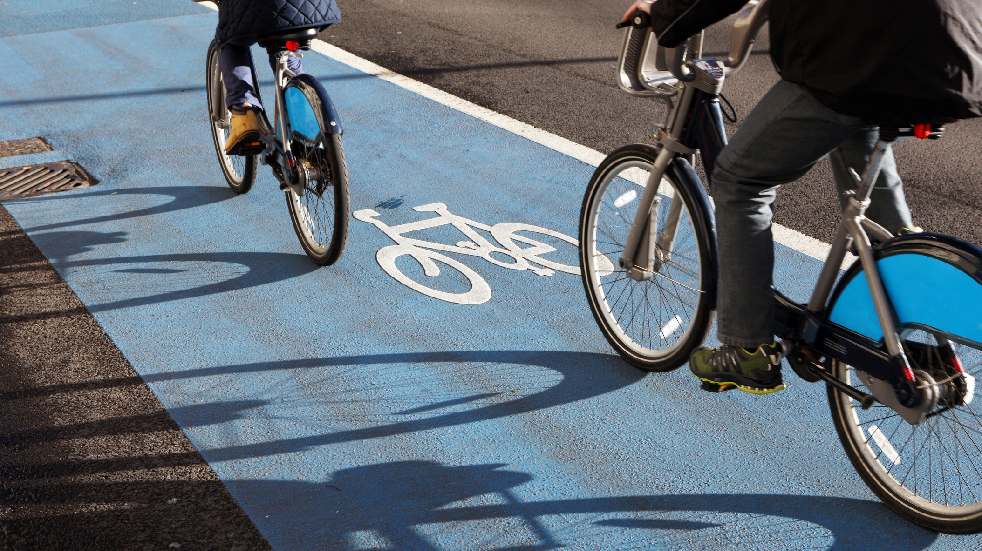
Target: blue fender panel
923,290
301,114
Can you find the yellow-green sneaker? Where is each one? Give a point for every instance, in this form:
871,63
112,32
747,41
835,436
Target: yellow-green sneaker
756,371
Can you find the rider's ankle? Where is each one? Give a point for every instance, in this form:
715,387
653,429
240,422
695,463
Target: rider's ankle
241,108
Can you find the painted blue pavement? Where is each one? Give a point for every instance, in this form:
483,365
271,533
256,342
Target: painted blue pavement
343,409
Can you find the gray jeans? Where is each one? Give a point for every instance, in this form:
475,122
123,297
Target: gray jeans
778,142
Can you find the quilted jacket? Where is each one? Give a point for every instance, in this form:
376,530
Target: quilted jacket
889,61
247,20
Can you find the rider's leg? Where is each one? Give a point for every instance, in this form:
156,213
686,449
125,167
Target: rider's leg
235,62
778,142
241,99
888,205
294,63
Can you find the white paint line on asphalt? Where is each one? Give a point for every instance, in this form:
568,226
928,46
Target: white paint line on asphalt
783,235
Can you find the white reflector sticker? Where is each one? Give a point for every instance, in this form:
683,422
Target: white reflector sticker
625,198
884,443
969,389
671,327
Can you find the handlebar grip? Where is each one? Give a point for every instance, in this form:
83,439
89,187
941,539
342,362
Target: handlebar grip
639,20
633,53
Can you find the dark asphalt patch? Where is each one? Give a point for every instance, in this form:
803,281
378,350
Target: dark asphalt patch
82,436
12,148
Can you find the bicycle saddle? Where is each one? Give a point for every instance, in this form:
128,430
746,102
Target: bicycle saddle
303,36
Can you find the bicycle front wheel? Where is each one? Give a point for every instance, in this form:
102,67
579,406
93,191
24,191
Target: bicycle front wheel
930,473
319,209
239,170
653,323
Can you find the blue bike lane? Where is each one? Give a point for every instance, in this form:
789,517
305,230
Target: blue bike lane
345,409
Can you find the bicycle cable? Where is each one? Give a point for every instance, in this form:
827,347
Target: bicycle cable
732,118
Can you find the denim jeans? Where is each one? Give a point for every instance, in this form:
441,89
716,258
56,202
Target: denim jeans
238,72
778,142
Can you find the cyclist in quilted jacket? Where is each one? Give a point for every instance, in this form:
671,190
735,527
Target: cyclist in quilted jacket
241,23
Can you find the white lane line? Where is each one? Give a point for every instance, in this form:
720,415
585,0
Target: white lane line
785,236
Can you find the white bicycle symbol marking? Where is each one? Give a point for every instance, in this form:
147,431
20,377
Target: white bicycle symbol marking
519,252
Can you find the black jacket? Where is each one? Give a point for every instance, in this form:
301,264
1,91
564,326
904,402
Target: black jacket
247,20
889,61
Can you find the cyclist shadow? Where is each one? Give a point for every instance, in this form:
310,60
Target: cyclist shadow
229,271
401,504
425,505
181,198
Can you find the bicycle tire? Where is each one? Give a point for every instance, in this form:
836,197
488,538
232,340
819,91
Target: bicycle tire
697,213
239,171
894,493
323,155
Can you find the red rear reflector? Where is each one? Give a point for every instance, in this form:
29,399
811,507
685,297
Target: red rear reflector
909,375
922,131
956,363
292,45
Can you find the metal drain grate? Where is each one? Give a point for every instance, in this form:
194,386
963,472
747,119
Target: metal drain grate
25,181
11,148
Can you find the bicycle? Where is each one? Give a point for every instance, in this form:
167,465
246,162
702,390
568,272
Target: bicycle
890,337
304,151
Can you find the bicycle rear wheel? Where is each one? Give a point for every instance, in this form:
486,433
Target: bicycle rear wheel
319,210
239,170
656,323
930,473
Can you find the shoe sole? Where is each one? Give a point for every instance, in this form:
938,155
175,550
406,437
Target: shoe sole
248,145
722,386
246,149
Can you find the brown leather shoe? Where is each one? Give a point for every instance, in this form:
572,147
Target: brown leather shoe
244,136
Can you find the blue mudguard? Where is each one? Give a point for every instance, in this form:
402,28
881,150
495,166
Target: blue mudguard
933,281
303,97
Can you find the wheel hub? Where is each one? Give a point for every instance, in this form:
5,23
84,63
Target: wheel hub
912,400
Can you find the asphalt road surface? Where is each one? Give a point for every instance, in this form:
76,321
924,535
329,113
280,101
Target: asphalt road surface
552,64
344,408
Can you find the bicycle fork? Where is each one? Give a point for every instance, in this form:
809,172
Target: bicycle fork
647,246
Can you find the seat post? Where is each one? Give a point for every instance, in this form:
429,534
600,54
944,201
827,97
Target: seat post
865,188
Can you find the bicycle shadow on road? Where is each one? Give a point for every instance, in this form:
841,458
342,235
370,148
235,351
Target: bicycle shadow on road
424,505
182,198
231,271
572,376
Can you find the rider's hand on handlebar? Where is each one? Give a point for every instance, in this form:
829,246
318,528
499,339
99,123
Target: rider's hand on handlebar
643,6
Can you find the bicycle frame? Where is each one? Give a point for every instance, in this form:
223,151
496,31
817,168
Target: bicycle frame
275,138
695,123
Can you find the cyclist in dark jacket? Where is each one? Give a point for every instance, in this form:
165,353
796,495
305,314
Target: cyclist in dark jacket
240,24
846,68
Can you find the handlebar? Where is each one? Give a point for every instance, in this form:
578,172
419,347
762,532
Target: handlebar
637,76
